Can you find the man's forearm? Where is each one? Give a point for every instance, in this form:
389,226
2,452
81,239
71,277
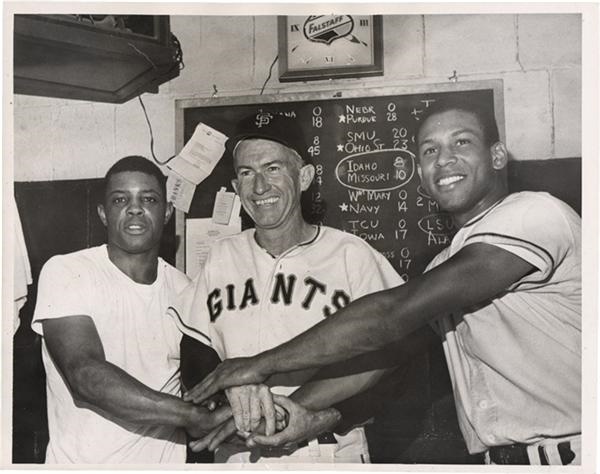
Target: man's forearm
375,320
320,394
368,324
109,388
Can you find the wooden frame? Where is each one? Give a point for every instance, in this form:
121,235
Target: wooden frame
303,57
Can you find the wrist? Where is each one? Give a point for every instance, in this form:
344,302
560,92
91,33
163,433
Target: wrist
264,364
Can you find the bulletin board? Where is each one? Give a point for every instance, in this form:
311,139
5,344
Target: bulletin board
362,143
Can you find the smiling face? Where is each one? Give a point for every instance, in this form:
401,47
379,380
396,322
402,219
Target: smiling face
134,212
270,179
457,167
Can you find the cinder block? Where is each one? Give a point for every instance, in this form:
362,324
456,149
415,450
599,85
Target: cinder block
265,50
549,39
62,142
217,50
132,135
83,140
566,91
470,44
528,115
402,46
32,143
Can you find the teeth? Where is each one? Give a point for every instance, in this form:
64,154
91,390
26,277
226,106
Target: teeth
262,202
449,180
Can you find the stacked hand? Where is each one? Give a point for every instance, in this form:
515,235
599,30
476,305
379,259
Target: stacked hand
229,373
266,420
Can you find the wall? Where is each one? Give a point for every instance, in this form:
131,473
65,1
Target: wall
538,56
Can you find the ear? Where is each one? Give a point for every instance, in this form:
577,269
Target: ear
102,214
419,172
169,211
307,174
499,155
234,183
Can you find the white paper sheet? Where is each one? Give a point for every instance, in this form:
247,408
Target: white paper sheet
200,154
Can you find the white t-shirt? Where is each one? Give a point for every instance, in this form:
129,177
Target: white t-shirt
137,335
515,362
246,301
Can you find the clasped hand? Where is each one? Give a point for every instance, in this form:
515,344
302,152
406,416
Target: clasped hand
266,420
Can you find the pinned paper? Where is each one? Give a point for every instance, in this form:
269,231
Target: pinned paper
199,234
223,207
180,191
200,154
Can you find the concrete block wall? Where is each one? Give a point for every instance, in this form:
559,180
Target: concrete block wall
538,56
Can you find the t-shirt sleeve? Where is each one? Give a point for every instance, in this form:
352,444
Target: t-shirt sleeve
64,289
371,272
535,229
189,310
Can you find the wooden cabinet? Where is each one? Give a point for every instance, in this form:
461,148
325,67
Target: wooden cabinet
105,58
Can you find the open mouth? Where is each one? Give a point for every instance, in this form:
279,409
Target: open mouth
449,180
266,202
135,228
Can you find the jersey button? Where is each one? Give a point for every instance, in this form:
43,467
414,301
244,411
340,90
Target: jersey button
483,404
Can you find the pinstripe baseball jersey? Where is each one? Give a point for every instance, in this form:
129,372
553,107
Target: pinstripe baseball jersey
515,361
246,301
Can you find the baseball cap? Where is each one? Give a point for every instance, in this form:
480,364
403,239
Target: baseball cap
272,126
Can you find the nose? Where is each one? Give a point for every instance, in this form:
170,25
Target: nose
261,185
135,207
445,156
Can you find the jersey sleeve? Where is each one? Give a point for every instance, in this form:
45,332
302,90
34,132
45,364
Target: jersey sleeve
371,272
533,228
64,289
189,311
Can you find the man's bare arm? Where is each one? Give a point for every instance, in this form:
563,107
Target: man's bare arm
75,346
474,275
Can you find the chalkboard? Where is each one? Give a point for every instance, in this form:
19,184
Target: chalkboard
362,144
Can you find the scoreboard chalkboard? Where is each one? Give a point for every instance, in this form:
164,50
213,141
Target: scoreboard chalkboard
362,144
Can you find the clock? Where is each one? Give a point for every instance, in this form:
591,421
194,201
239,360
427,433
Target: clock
329,46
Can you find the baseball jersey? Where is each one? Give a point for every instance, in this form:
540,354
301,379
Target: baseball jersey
137,335
246,301
515,361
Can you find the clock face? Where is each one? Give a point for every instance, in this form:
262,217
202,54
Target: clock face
329,41
330,46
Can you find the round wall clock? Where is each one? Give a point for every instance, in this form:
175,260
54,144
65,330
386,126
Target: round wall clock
329,46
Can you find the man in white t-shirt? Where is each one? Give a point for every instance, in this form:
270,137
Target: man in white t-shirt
505,296
110,350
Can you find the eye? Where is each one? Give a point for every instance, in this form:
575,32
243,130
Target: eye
463,141
428,151
118,200
150,199
273,168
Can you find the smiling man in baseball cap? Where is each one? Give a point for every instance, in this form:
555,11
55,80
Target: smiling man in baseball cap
266,285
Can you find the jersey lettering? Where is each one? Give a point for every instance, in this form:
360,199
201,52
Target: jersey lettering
214,303
280,289
314,286
249,294
284,291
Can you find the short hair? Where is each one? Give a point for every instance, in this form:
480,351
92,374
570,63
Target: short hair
482,112
139,164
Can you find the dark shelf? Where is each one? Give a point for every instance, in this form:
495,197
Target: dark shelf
72,58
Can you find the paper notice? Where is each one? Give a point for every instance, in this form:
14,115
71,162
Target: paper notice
199,234
200,154
180,191
223,207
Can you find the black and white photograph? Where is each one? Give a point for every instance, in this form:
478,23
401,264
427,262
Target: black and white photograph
300,236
